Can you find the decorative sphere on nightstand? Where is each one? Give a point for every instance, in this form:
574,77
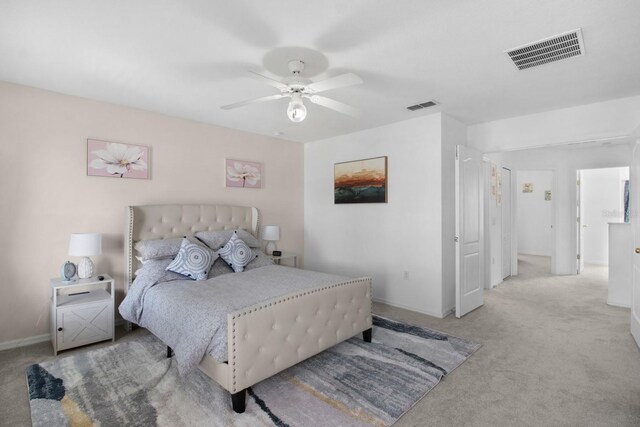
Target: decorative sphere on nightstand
86,268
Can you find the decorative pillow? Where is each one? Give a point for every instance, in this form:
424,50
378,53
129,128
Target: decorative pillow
159,248
261,260
193,260
215,239
156,269
237,253
219,268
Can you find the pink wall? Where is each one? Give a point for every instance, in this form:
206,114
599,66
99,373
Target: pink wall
46,194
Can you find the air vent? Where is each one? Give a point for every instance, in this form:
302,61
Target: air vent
551,49
423,105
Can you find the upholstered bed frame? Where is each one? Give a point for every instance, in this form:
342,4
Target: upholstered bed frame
269,337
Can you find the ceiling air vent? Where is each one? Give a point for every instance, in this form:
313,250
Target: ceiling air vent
421,106
548,50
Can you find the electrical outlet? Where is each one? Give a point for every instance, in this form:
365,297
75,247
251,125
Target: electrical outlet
405,275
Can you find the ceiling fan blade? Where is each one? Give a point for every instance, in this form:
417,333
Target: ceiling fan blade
342,80
253,101
268,80
335,105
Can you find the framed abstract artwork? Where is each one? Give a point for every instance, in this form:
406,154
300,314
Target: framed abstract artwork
243,174
117,160
360,181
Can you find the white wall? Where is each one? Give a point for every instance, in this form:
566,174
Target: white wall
564,163
611,119
621,237
404,235
603,202
453,133
494,263
534,213
47,195
507,225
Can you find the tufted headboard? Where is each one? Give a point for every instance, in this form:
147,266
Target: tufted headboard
169,221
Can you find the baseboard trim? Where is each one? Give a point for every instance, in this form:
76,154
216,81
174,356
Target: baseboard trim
635,328
405,307
534,254
618,304
496,283
23,342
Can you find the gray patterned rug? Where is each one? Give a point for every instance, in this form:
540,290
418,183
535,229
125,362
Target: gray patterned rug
352,384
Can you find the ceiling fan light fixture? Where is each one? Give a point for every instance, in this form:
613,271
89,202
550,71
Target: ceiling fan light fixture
296,111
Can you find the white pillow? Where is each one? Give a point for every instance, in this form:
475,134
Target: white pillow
236,253
193,260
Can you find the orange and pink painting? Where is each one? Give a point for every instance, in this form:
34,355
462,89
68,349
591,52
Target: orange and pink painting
361,181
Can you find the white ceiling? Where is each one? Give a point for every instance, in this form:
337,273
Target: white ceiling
186,58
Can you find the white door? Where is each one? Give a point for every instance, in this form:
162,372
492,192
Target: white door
469,231
506,223
635,202
580,223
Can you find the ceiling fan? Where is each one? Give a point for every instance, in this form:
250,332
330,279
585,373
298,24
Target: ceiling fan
298,88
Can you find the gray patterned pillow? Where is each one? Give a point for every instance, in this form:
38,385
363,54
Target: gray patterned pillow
193,260
261,260
237,253
216,239
219,268
158,248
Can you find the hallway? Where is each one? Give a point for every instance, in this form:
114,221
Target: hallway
554,354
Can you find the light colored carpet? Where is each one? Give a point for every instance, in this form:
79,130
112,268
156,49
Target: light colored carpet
553,354
354,383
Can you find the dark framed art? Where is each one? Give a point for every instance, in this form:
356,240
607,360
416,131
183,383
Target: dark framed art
360,181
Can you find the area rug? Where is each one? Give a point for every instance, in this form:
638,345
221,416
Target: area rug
352,384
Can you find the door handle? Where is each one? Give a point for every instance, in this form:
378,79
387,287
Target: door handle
638,250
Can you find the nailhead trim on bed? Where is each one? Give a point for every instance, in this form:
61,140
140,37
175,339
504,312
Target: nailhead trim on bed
237,315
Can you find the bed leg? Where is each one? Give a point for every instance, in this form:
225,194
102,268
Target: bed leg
238,401
366,335
169,352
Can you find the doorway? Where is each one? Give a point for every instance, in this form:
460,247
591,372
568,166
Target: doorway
603,199
534,190
506,222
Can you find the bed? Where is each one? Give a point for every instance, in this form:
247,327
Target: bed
269,336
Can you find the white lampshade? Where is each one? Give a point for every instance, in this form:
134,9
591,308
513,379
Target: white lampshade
85,244
271,232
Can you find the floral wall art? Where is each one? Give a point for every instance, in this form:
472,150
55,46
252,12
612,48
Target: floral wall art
240,173
117,160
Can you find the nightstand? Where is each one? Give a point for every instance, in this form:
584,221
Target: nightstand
81,312
288,257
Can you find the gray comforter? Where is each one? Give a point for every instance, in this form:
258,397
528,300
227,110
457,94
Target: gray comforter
191,316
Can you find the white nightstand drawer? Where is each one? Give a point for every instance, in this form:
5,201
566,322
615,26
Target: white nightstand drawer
84,324
82,312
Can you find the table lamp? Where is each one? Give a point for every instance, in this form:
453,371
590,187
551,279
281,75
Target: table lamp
271,234
85,245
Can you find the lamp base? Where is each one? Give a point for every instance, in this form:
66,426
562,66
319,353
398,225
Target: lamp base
271,246
86,268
